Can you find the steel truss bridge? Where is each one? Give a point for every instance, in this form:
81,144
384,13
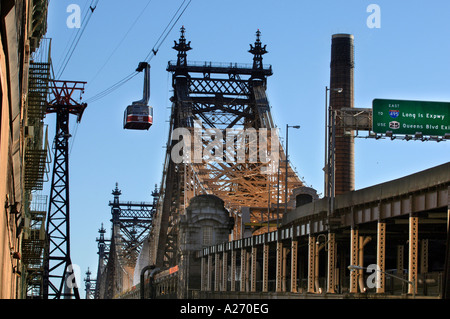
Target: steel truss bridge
228,146
222,98
131,224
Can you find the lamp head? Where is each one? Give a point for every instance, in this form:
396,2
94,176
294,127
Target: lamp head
354,267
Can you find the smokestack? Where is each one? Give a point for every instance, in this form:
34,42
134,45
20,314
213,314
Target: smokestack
341,76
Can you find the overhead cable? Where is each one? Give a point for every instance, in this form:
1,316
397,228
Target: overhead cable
86,18
171,24
181,9
121,41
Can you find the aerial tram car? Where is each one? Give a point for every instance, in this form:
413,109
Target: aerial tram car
139,115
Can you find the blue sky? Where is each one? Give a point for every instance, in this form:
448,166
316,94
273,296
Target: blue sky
406,58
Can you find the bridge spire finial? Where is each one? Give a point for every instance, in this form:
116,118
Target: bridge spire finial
258,50
182,47
117,191
258,35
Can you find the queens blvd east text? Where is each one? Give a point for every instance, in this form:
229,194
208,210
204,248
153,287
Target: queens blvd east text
227,308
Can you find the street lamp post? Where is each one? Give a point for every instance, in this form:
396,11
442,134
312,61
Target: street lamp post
286,167
412,283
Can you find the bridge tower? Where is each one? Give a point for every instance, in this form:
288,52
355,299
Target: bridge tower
103,253
131,224
89,285
214,103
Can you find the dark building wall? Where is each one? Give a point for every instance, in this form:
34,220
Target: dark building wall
342,76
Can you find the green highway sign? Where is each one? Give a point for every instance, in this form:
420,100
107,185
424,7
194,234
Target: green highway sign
411,117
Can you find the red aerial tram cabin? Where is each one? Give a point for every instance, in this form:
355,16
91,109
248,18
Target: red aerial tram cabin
139,115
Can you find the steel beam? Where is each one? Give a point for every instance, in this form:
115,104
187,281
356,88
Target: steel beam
294,264
243,269
331,273
248,256
311,263
381,252
233,270
209,278
204,272
253,269
413,252
224,271
354,260
279,267
265,287
424,256
216,271
400,259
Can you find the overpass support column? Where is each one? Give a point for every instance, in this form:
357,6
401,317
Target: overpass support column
319,247
311,263
354,260
400,260
381,253
253,269
243,270
248,269
424,256
284,270
217,272
233,270
204,272
208,271
331,274
265,287
294,259
413,252
279,279
224,270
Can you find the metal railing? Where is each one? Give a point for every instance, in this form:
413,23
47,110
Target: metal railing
219,65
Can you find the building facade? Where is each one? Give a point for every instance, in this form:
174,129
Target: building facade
24,74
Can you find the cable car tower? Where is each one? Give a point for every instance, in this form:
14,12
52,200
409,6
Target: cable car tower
139,115
59,279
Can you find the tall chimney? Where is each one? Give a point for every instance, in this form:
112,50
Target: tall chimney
341,76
